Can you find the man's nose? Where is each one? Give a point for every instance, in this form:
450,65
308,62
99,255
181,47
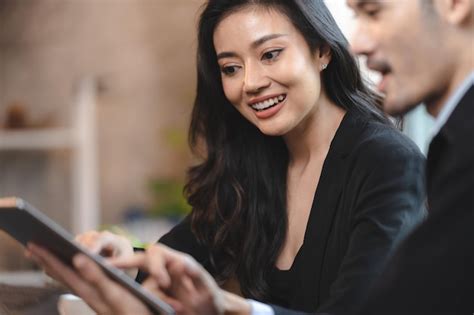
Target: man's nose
256,78
362,41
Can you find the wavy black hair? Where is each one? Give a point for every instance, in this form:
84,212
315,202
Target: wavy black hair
238,191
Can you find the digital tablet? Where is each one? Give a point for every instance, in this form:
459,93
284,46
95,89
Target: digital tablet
27,224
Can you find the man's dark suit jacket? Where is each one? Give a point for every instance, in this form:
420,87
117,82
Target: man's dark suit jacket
433,270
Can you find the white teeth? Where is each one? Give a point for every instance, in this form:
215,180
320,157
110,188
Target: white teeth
268,103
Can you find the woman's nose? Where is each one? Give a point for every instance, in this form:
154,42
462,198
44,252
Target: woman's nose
256,79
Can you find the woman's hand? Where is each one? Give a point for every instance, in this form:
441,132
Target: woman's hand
108,245
175,277
189,288
88,281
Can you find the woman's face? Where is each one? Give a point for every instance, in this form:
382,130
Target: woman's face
268,71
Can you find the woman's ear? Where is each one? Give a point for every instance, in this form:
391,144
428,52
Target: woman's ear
323,56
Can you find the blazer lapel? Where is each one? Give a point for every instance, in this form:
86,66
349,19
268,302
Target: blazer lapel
325,204
455,135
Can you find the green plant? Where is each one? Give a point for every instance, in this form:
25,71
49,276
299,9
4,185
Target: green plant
168,199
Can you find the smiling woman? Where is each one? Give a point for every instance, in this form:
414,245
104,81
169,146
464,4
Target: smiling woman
305,187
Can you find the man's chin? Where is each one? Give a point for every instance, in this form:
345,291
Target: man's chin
396,108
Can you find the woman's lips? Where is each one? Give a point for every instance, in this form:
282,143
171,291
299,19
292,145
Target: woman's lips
269,112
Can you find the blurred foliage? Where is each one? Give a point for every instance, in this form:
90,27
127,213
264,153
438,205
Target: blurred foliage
176,139
168,199
167,193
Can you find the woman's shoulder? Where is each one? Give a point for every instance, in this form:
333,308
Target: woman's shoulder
381,142
182,238
377,144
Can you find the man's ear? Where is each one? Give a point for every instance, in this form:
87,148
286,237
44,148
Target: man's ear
455,12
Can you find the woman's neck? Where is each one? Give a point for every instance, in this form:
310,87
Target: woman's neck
313,136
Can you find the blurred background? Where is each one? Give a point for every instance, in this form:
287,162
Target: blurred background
95,99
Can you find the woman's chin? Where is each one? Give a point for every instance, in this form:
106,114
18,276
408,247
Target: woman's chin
273,132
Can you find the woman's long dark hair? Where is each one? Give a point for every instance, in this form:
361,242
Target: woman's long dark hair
238,193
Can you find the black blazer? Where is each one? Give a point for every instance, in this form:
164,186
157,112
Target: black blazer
369,196
433,270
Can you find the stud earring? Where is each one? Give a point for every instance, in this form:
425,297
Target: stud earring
324,66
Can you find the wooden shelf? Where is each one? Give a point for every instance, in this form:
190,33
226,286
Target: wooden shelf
81,138
37,139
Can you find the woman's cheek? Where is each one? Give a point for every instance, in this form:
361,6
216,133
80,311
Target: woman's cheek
231,92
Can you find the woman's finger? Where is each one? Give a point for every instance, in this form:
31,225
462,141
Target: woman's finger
136,261
151,285
182,284
68,277
47,263
156,259
153,261
88,240
105,243
203,298
118,298
94,275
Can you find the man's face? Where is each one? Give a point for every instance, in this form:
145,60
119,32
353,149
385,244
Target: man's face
402,41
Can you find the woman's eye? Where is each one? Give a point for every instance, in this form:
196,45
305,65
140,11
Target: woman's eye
229,70
270,55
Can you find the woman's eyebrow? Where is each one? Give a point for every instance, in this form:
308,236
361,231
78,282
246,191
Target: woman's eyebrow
266,38
255,44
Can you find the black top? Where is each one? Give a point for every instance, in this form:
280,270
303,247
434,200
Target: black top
369,196
282,283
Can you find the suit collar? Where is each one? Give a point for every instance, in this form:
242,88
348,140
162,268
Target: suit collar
452,102
461,118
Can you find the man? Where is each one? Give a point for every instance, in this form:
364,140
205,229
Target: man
423,50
